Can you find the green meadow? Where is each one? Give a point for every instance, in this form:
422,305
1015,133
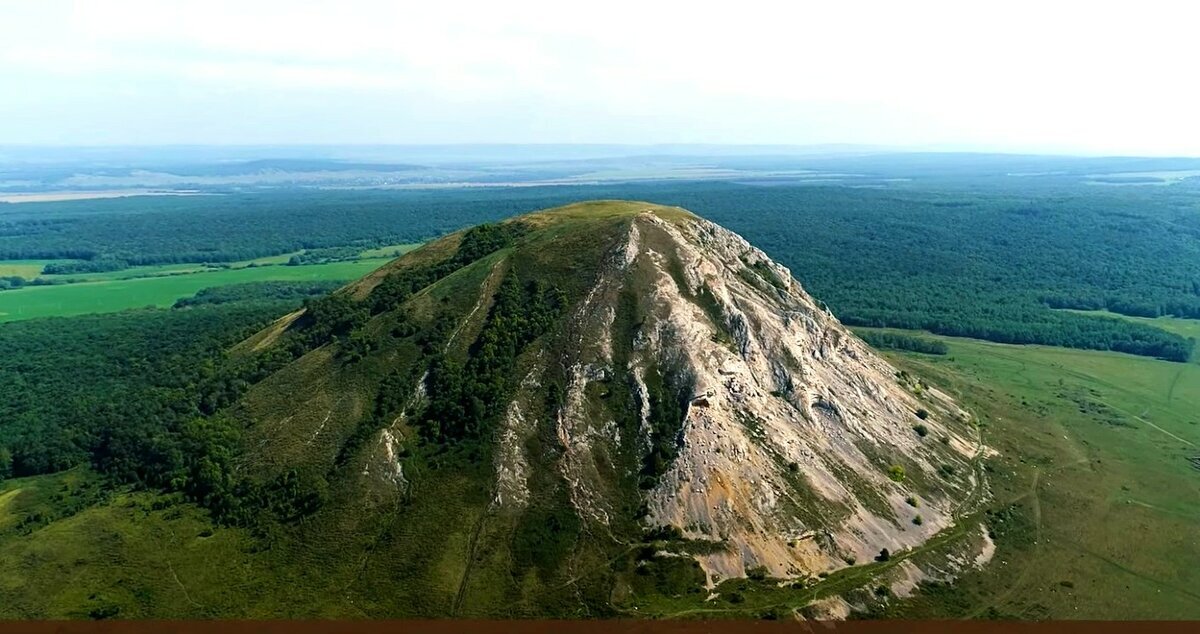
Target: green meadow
389,251
111,295
1094,470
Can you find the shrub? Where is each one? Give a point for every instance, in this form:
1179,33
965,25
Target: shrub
922,414
921,430
896,473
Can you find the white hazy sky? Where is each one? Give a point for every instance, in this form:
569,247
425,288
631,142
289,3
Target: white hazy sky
1050,75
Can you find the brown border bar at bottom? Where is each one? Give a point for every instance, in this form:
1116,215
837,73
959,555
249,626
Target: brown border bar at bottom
449,626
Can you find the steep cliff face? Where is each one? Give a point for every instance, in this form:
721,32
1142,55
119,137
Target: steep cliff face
651,372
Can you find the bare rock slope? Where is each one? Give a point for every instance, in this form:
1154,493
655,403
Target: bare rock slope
793,428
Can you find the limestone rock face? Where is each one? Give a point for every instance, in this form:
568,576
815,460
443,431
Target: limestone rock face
793,433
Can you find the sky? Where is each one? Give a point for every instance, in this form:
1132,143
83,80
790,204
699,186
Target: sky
1048,76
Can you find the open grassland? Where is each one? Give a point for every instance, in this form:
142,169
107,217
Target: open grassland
1102,501
111,295
389,251
159,270
1093,505
133,555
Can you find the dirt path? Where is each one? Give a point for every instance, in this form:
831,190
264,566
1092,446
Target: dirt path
187,596
1174,382
471,546
171,569
1140,419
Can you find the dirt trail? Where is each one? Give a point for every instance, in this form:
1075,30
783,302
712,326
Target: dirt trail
171,569
471,546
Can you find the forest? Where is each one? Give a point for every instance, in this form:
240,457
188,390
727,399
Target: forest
984,260
71,389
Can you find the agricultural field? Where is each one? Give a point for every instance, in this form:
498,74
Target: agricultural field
116,294
26,269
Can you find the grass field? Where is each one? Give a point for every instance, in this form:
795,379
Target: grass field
110,295
158,270
131,556
1094,452
388,251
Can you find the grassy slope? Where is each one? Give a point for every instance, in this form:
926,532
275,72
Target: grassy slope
126,554
115,295
1093,453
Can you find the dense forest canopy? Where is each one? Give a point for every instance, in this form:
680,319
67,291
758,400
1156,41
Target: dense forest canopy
989,259
68,385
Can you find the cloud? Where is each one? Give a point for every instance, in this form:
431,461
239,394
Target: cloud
1093,76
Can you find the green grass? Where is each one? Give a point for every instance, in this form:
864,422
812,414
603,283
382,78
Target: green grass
391,250
158,270
114,295
31,269
130,557
155,270
1093,454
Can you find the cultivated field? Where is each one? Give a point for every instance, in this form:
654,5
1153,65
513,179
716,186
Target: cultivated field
114,294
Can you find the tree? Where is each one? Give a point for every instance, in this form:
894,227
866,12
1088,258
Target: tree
5,463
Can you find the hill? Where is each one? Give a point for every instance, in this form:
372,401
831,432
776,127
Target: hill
535,416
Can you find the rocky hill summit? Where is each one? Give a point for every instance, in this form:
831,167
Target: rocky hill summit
572,410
